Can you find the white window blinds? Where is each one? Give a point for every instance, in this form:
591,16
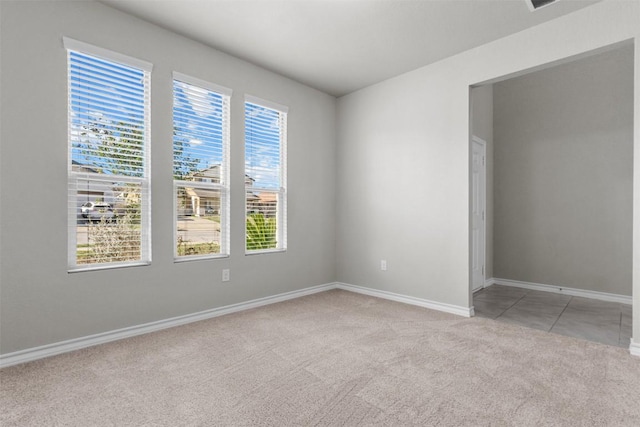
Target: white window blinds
109,159
200,168
265,175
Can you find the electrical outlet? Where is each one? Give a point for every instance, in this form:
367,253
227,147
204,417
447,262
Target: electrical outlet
225,275
383,265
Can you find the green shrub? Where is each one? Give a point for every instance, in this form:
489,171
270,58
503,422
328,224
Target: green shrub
261,232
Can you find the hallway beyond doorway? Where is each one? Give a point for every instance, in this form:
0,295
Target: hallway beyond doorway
594,320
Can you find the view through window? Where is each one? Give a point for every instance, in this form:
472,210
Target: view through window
108,171
265,175
200,167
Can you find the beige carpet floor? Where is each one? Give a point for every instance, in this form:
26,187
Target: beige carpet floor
336,359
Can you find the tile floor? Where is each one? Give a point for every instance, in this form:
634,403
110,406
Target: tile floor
593,320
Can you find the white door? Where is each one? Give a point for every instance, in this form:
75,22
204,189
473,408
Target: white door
478,201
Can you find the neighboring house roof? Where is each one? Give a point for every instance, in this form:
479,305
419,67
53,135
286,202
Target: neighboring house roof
213,173
79,167
252,197
262,198
268,197
202,192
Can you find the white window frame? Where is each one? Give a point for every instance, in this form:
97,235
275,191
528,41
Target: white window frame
74,177
281,213
223,186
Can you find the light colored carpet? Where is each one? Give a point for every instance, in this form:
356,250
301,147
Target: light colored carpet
334,358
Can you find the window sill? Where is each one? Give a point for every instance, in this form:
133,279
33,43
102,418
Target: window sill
107,267
199,258
265,251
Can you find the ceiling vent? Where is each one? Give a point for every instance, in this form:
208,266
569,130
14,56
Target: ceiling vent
537,4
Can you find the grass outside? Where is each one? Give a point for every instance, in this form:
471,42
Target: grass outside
186,248
85,254
214,218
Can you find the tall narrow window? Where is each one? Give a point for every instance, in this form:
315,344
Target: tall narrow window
200,168
265,175
108,171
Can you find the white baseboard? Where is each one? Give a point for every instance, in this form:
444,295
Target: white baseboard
603,296
434,305
487,283
48,350
35,353
634,348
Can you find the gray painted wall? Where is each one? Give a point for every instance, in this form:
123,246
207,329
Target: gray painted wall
42,303
403,157
400,170
564,173
482,127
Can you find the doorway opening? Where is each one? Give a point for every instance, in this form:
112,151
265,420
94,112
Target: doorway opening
558,199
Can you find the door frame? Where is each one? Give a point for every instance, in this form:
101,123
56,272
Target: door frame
477,140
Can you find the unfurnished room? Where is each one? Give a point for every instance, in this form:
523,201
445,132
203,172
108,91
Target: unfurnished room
322,212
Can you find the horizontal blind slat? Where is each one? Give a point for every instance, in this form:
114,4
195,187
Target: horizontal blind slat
92,99
93,84
124,72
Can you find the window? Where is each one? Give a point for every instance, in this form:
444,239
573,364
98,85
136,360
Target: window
265,176
108,174
200,168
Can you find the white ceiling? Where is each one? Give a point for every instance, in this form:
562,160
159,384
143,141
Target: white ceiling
339,46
